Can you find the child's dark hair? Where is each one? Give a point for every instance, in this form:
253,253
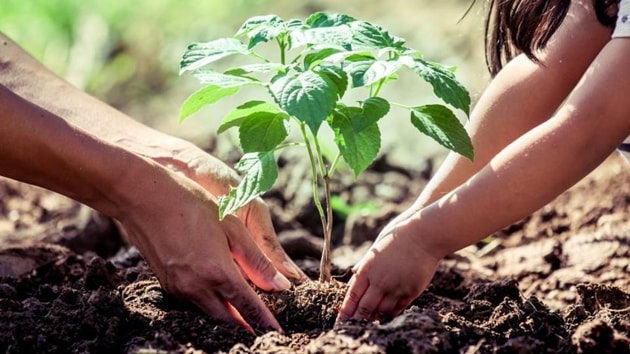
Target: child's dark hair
525,26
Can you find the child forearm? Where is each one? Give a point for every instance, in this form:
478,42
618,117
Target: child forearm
541,164
523,95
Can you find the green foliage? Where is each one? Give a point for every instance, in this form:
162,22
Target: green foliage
320,59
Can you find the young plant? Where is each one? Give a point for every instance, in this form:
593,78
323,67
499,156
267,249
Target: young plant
319,60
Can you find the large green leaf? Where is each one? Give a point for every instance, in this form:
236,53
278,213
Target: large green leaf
200,54
445,84
316,57
335,37
205,96
441,124
238,115
260,173
369,71
337,75
262,131
374,108
323,19
359,149
261,29
209,77
254,68
367,35
309,96
252,23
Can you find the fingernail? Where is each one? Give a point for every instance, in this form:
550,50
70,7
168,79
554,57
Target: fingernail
296,273
280,282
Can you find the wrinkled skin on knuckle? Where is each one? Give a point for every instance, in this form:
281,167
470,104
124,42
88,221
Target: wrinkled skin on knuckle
189,282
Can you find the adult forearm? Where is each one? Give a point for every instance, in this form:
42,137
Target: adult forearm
28,78
39,147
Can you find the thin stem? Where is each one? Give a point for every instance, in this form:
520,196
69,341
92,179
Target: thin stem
378,88
314,164
327,222
326,261
286,145
333,165
282,46
256,55
400,105
322,167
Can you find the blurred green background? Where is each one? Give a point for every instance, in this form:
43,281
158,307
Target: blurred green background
127,53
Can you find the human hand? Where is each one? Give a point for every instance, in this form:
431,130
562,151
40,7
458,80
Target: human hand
216,177
173,222
394,271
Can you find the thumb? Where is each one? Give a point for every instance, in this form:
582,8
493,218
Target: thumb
257,220
251,259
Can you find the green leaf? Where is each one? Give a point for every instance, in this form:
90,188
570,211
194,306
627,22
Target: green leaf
255,22
445,84
359,149
205,96
323,19
309,96
254,68
374,108
367,35
238,115
335,37
312,59
200,54
337,75
262,131
441,124
209,77
261,29
260,173
368,72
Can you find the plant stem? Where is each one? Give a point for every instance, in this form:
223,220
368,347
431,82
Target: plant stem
325,264
324,272
326,261
333,165
378,88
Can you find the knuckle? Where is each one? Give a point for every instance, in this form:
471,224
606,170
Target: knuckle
363,312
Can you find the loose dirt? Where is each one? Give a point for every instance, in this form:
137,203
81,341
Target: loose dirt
556,282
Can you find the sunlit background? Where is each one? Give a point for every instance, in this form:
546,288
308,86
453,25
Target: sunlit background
127,53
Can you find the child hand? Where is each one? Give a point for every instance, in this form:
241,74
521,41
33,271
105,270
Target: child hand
395,270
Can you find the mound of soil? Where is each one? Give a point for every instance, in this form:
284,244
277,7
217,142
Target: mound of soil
556,282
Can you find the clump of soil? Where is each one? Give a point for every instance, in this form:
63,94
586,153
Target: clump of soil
308,307
556,282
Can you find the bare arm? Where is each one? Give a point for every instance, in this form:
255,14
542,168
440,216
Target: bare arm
162,189
468,202
523,95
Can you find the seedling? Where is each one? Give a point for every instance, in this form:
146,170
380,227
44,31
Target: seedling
319,60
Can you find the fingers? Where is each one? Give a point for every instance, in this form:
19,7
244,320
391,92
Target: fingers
356,288
389,308
236,303
251,307
251,259
258,222
365,301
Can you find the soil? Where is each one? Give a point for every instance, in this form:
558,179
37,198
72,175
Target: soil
556,282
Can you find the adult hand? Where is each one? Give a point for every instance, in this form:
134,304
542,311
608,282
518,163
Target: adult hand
394,271
174,223
216,177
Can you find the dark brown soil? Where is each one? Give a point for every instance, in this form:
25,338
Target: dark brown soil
556,282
